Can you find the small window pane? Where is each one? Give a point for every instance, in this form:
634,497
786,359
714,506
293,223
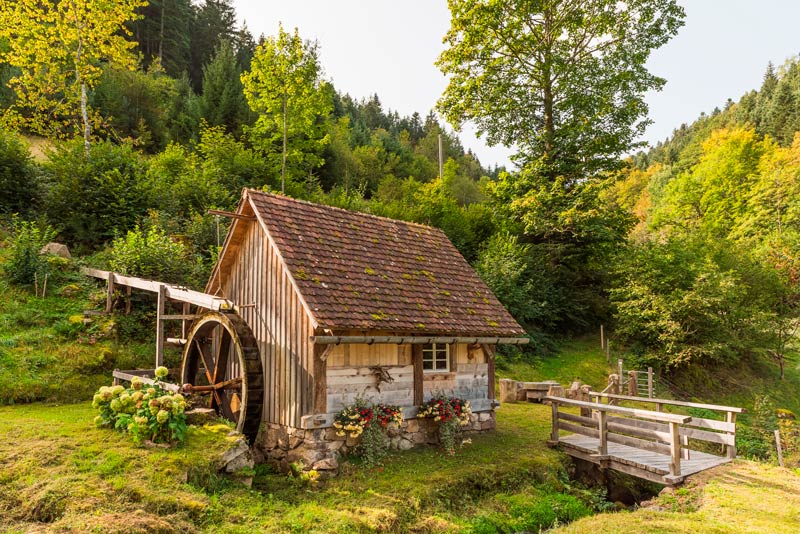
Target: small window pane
434,357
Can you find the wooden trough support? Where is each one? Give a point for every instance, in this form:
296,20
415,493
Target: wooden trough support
166,293
644,443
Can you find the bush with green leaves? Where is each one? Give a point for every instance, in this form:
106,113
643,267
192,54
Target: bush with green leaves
368,423
451,413
19,175
96,196
26,263
150,253
147,413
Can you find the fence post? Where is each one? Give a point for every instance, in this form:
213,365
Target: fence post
633,384
650,392
619,369
110,293
778,447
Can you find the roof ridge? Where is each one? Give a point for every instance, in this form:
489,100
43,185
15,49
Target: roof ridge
316,204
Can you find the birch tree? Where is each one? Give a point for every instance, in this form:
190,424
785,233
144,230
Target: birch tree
60,49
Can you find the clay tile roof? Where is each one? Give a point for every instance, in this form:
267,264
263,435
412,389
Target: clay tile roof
361,272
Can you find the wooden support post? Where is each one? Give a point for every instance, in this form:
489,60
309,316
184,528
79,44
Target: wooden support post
488,351
416,355
685,447
110,293
162,299
675,449
650,393
320,401
731,418
602,427
184,322
633,384
128,303
554,431
619,368
778,447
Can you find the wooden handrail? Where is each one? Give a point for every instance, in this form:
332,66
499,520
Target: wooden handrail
632,412
670,402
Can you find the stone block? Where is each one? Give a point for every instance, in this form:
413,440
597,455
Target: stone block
295,441
326,464
412,426
405,444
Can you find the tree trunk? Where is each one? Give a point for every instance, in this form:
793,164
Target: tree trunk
161,35
547,90
87,129
283,162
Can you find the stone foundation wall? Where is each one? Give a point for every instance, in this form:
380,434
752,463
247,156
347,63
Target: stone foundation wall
321,448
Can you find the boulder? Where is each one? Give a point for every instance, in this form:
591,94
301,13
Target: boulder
56,249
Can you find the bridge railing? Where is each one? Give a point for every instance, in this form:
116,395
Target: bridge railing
722,432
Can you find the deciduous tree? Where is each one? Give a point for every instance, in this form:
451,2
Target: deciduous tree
285,87
60,49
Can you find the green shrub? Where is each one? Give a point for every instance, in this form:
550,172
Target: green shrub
19,176
26,264
96,197
451,413
147,413
152,254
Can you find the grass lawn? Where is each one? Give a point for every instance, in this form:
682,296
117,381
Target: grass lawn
744,497
58,473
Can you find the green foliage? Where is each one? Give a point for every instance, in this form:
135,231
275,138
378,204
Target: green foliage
756,440
20,189
690,300
520,70
147,413
368,422
26,263
222,102
529,513
93,198
153,255
285,89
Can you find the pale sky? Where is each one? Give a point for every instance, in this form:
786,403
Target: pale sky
389,48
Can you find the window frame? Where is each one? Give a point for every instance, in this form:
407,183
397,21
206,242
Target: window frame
434,350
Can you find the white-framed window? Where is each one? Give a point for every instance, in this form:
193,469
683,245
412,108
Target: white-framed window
435,358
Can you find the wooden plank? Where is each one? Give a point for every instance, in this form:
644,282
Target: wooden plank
634,412
564,416
731,449
712,424
320,380
602,430
554,422
231,215
582,430
670,402
129,375
488,351
204,300
637,443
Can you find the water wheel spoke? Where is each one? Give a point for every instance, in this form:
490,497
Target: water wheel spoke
206,366
221,361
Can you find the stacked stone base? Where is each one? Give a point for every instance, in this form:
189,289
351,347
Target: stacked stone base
320,449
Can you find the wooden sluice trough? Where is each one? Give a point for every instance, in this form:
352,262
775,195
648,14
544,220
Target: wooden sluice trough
648,444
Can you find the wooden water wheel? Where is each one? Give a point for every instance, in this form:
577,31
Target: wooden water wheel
221,360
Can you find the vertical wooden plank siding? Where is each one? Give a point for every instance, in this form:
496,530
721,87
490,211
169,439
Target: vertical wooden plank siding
279,323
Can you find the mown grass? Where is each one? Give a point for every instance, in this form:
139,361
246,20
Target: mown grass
744,497
59,473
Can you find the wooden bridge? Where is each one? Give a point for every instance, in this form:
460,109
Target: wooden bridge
649,444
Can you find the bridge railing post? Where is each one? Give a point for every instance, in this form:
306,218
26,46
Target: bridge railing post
602,436
730,417
675,449
554,431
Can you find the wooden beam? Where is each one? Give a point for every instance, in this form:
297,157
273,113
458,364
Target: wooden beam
488,350
418,340
232,215
670,402
110,292
419,377
180,294
321,378
675,450
162,300
632,412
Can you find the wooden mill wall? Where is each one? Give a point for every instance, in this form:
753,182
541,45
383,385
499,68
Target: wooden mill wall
257,282
349,375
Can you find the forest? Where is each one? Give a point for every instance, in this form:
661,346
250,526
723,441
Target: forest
688,251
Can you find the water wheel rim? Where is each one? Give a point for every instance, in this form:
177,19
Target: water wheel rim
213,339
